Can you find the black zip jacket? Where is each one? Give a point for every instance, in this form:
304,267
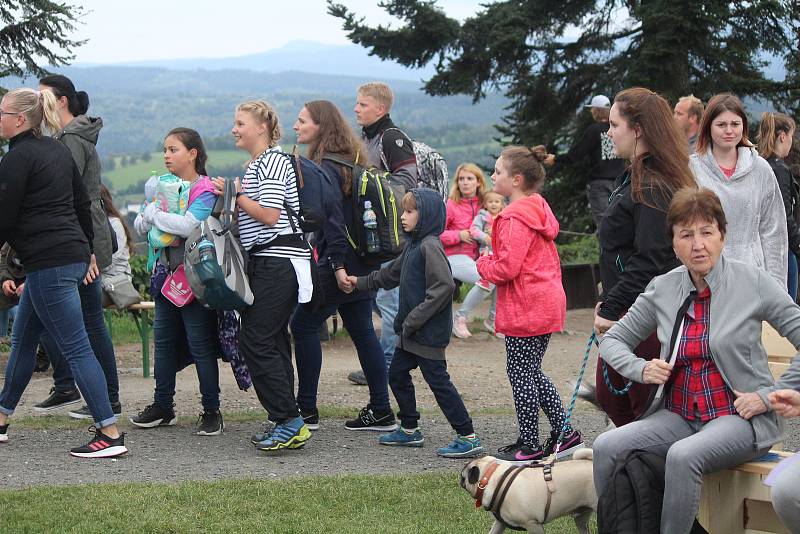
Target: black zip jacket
789,192
595,144
44,209
634,247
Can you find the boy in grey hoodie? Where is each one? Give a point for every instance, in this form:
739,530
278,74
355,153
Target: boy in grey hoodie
423,324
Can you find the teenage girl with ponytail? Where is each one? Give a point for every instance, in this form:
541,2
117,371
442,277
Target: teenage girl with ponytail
775,136
531,304
45,216
79,133
279,269
191,327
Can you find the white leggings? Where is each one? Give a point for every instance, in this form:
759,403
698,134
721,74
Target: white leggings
464,269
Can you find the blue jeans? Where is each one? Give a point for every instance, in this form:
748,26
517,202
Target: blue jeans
51,303
174,330
92,309
388,301
791,280
357,318
5,317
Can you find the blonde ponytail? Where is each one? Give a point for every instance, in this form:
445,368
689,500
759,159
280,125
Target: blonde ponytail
265,113
771,125
40,109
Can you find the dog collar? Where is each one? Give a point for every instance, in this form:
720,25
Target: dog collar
484,481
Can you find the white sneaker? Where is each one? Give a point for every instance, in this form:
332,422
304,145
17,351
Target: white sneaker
489,325
460,329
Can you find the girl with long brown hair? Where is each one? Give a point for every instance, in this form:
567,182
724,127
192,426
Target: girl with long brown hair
334,146
633,240
775,137
727,163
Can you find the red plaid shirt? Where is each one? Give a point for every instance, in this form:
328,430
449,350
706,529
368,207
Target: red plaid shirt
696,384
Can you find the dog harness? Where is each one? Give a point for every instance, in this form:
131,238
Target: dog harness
506,479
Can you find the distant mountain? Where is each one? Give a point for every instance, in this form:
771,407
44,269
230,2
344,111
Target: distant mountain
307,56
139,105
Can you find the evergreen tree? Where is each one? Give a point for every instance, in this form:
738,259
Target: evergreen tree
34,33
522,47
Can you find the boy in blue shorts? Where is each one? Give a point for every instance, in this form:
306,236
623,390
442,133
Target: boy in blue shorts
423,323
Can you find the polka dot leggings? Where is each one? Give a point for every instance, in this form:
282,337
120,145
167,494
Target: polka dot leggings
531,388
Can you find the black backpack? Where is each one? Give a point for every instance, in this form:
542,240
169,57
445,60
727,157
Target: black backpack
631,502
314,190
374,185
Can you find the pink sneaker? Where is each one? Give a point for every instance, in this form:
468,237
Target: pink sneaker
460,329
489,325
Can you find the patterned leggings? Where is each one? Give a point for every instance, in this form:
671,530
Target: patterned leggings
531,387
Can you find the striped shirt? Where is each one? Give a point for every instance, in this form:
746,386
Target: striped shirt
270,180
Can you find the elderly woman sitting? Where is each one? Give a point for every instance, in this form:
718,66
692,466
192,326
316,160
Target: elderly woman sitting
707,314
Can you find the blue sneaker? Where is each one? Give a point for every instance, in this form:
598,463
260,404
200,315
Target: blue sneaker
462,447
290,435
403,438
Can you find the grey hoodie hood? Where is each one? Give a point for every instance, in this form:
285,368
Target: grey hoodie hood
745,162
87,128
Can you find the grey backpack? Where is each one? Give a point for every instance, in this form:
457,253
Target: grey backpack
215,263
431,167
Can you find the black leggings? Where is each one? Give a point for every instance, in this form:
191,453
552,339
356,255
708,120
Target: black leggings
531,388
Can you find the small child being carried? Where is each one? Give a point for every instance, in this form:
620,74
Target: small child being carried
481,228
422,324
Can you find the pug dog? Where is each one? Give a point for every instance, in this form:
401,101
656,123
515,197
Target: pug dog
526,499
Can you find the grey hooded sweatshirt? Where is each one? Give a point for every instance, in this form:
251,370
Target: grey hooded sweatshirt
80,136
754,209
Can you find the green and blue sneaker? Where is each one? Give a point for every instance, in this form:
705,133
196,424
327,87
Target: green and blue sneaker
462,447
403,437
289,435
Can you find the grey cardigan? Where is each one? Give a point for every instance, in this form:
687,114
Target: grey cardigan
742,296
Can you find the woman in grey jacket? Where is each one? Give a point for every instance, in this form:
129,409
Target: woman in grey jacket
707,315
727,163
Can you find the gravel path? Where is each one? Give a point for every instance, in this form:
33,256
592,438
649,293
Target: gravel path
173,454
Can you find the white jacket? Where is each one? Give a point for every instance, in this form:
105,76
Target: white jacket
753,205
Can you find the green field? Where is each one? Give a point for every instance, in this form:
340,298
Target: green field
122,177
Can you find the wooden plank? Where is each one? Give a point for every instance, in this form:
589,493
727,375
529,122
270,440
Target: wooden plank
760,516
761,468
774,344
777,369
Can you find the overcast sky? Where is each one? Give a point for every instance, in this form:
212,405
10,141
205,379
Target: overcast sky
164,29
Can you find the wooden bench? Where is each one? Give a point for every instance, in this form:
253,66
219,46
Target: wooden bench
736,501
144,324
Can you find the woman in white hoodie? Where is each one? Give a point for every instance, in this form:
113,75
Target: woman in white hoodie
727,163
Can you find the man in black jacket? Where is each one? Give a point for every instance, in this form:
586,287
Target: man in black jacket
606,165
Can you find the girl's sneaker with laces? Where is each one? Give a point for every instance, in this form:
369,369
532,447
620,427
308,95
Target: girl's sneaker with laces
571,442
403,438
460,329
101,446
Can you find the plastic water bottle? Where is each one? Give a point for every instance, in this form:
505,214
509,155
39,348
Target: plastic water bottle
371,227
206,250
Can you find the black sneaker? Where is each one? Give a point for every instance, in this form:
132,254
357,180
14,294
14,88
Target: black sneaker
57,400
369,420
521,454
209,423
101,446
84,413
571,442
358,378
310,418
155,415
3,433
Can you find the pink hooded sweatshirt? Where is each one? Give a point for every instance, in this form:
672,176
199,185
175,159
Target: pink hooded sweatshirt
525,268
459,217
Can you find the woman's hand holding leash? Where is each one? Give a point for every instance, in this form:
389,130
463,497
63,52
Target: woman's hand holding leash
656,372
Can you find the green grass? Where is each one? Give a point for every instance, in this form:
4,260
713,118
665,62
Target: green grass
122,177
427,503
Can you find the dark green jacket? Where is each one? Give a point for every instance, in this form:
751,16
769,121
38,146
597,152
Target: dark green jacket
80,136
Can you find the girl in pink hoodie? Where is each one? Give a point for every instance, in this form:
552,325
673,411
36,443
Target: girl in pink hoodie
531,303
461,248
